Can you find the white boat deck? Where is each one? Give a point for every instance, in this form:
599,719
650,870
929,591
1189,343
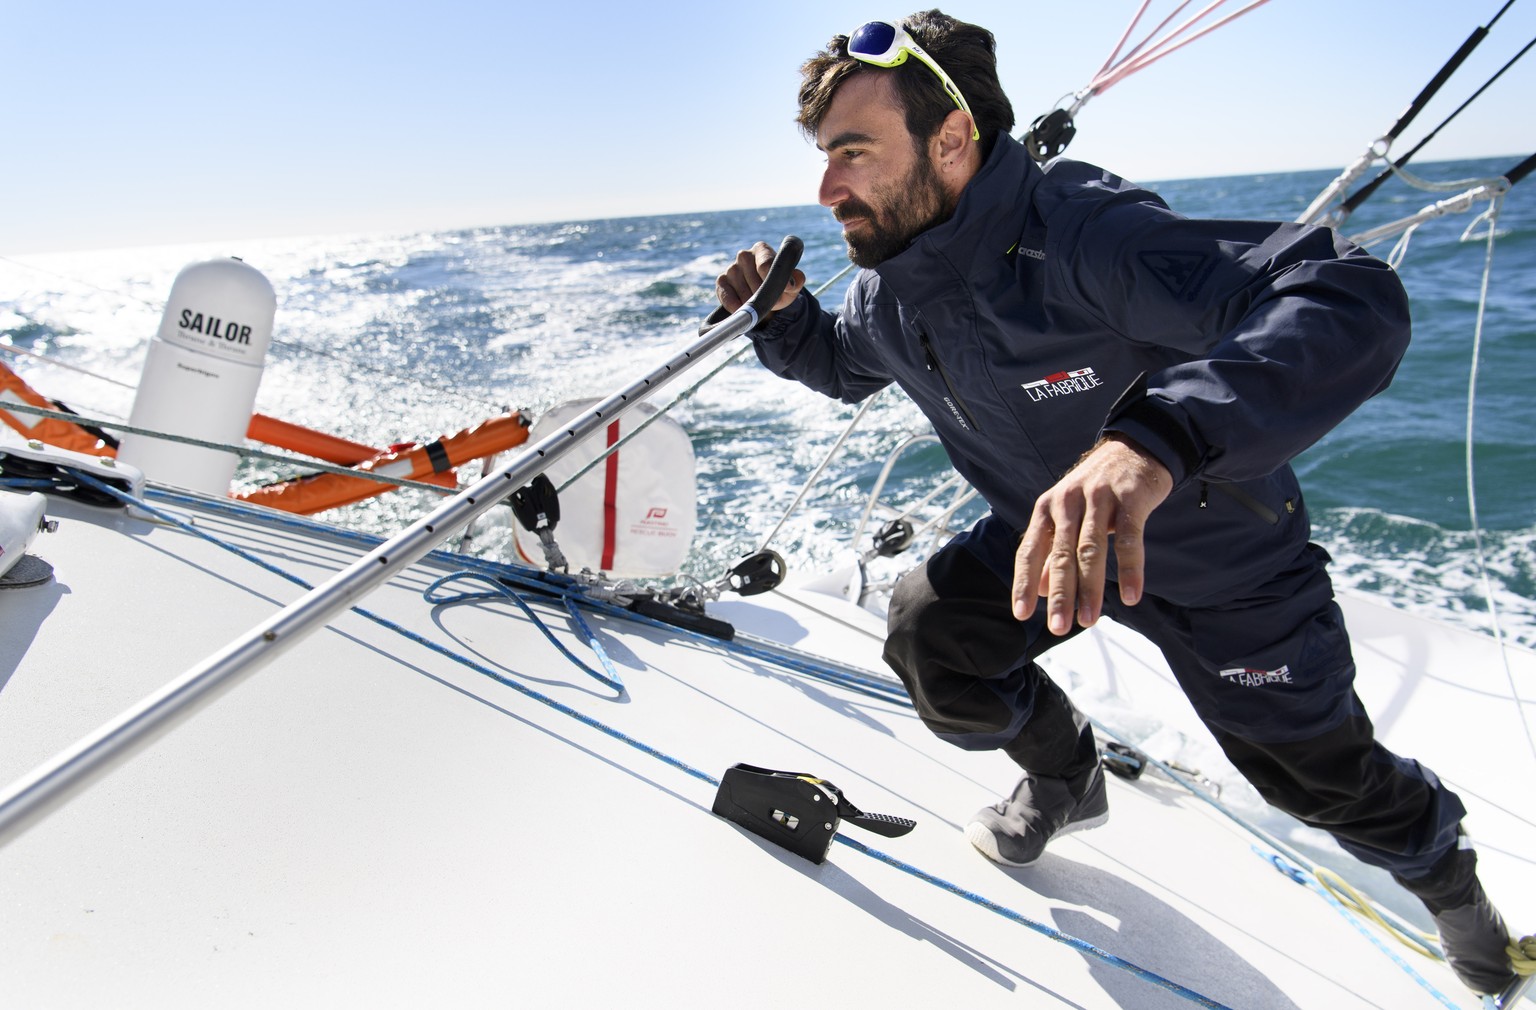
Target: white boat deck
367,823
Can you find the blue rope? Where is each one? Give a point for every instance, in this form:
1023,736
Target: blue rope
383,622
1083,946
573,592
1080,945
1309,881
595,643
864,683
1286,861
504,592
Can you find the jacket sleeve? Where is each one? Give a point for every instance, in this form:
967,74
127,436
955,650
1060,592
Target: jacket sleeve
818,348
1268,335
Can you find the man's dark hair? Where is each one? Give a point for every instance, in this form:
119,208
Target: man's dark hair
968,53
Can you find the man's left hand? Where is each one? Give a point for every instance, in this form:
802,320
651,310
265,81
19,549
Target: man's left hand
1064,552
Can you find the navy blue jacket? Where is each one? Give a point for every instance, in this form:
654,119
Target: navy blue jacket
1055,306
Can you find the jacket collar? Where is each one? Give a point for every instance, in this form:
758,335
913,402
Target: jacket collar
984,228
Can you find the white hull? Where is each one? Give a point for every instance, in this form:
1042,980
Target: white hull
370,823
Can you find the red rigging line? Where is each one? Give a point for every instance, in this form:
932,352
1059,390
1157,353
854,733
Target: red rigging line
1142,55
1049,135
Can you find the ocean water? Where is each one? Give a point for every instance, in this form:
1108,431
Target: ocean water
391,338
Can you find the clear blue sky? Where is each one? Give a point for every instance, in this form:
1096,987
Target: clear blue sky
143,123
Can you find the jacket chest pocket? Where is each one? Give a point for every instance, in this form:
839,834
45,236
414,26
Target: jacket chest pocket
945,383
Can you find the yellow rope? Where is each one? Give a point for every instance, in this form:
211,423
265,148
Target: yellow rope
1522,952
1358,903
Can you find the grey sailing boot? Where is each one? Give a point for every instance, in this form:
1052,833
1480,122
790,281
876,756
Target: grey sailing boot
1014,831
1062,788
1472,932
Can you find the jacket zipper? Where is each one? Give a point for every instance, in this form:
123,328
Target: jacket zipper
1253,505
956,405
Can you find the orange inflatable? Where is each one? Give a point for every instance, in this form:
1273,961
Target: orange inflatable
64,434
331,448
430,462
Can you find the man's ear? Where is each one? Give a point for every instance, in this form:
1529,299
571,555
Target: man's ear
952,148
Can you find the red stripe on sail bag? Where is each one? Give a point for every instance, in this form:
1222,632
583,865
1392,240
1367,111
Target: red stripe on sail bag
611,498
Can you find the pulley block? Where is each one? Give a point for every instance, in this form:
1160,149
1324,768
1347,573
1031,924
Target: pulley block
756,574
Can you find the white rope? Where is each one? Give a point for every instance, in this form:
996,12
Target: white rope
1477,190
1491,216
1334,191
1473,190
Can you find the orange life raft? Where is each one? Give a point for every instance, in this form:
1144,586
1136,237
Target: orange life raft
427,462
64,434
331,448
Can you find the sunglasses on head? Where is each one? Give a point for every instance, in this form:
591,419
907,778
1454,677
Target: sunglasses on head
882,44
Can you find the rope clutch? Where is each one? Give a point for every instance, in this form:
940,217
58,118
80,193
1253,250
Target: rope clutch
798,812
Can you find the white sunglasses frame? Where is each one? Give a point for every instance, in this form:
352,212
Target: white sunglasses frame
902,45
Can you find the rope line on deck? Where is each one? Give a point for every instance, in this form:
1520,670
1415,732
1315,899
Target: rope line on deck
1075,943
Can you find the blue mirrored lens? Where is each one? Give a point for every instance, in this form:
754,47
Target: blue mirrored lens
872,39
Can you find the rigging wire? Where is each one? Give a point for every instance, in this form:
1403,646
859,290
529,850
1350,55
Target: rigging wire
685,394
245,452
827,459
1050,133
1381,146
1493,191
1113,71
1429,90
1364,192
1472,191
57,363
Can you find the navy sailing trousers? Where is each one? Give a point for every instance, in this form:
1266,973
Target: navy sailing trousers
1270,674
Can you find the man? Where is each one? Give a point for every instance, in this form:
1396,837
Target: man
1126,388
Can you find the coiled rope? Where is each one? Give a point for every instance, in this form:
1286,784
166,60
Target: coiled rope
1522,951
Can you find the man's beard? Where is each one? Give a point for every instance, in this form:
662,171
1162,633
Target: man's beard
907,209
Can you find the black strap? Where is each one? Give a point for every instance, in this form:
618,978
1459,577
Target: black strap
439,456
